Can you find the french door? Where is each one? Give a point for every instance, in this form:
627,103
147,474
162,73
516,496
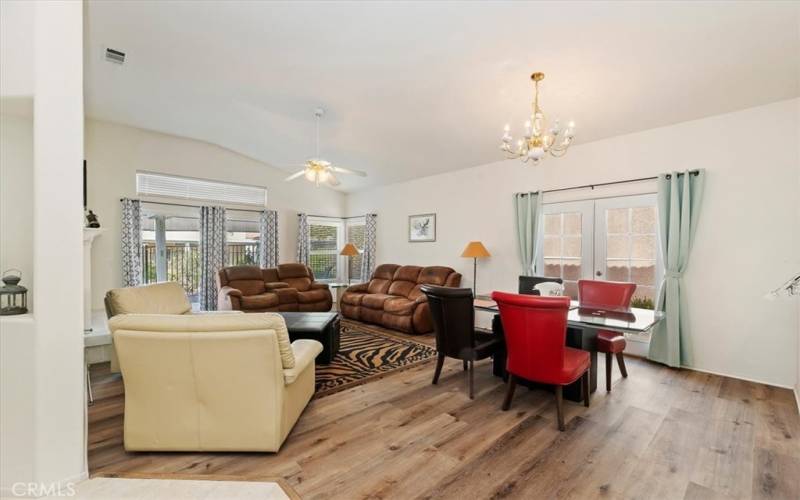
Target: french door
614,239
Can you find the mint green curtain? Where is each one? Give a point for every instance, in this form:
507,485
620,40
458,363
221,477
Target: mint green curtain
527,212
679,197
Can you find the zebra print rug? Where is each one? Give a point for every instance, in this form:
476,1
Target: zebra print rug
365,354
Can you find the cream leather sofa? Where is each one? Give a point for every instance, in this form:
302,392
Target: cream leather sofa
208,382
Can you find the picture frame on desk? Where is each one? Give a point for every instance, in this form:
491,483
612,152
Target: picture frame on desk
422,228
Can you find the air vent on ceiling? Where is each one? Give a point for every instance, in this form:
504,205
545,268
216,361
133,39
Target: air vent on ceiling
115,56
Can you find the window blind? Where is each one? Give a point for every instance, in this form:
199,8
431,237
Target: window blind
152,184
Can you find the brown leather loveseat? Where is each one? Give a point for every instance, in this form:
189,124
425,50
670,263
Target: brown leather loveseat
288,287
392,297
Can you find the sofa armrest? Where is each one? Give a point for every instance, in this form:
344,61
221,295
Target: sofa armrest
420,300
229,291
319,286
228,298
275,285
305,351
358,288
454,280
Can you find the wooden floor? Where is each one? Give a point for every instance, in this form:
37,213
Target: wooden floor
660,433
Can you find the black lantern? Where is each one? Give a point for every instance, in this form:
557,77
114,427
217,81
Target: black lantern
13,297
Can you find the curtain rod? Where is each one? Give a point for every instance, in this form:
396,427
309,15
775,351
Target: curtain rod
592,186
332,217
192,206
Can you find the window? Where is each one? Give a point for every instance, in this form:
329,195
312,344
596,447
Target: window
172,186
242,238
325,236
170,244
355,235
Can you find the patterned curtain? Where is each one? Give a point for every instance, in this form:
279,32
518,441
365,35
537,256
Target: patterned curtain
268,248
212,254
131,242
368,255
303,241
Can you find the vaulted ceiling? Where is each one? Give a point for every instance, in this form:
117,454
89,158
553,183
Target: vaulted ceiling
413,89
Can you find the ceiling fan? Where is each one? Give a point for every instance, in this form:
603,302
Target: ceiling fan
318,170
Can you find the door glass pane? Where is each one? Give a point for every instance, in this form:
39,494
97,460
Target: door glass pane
572,224
552,268
617,270
552,224
179,261
324,251
631,250
562,249
643,220
617,220
552,246
572,247
241,239
643,247
643,272
617,247
571,269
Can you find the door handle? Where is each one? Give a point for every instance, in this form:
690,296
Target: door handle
598,273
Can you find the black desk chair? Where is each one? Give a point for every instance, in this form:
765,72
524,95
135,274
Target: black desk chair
528,283
453,317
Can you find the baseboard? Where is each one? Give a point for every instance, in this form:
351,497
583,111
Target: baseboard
8,492
738,377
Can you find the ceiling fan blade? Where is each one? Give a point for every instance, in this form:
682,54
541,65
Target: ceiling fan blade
295,175
342,170
332,180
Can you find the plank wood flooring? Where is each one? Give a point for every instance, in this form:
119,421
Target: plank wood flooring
660,433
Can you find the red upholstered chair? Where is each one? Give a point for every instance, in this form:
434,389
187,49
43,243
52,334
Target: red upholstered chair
611,295
535,334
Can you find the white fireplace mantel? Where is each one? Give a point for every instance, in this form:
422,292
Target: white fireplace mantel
89,235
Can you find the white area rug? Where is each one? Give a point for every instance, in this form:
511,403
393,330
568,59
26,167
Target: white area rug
104,488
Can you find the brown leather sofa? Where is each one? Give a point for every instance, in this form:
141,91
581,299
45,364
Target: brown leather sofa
392,298
288,287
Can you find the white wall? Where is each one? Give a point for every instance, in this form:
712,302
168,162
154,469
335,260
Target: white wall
16,48
115,152
16,194
746,243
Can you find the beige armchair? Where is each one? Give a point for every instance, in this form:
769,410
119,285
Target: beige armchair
157,298
229,382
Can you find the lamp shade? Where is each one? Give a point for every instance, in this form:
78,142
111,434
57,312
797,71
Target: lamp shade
349,250
475,250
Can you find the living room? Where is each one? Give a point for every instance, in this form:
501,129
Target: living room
189,187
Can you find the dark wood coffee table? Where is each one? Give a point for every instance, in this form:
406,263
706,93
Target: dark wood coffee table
321,326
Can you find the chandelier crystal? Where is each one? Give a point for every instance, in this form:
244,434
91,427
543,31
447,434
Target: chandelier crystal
538,141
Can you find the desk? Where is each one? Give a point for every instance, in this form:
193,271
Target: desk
582,326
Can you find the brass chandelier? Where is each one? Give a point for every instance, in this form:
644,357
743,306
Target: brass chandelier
539,141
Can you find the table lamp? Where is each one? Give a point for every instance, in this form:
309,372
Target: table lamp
475,250
349,250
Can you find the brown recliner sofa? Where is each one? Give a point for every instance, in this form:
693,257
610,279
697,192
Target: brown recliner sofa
392,297
288,287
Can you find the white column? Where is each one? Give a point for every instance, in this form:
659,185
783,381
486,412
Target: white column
60,446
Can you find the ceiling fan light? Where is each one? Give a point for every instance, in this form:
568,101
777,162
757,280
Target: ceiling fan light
323,176
310,174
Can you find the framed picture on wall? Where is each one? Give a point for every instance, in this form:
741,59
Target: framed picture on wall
421,228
